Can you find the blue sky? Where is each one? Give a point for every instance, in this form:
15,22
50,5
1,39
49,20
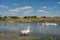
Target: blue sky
30,8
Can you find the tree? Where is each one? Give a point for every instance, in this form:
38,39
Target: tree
1,17
30,17
14,17
5,17
25,17
43,17
33,16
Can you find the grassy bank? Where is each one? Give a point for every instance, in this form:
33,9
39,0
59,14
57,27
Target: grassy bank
31,19
12,36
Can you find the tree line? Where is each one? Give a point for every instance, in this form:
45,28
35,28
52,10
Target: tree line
4,17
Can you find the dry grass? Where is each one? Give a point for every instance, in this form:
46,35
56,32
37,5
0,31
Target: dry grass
12,36
35,19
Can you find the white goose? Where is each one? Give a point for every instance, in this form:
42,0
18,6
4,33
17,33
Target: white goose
49,24
26,31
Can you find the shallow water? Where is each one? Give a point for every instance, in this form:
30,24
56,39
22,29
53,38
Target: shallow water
36,27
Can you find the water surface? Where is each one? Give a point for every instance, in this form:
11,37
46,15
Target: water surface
36,27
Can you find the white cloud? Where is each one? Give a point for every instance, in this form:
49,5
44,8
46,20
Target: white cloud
5,12
21,8
43,11
15,4
27,12
44,7
58,2
15,10
14,13
50,8
3,6
8,13
26,7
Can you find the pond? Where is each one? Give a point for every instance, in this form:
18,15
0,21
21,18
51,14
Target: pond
36,28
